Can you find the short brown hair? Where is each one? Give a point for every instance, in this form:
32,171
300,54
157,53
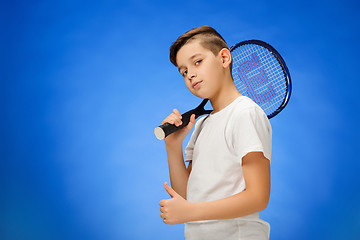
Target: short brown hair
210,39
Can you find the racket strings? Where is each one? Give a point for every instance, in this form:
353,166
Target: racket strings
258,74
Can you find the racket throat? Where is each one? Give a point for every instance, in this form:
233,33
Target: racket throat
200,110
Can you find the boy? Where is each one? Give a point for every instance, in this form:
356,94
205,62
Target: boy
227,181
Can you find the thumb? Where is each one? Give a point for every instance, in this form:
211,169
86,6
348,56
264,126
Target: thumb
191,122
170,191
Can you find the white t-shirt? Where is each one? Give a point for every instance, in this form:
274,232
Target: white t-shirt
216,148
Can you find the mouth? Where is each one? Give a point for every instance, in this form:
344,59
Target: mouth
196,84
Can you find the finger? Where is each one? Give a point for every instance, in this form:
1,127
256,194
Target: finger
176,119
170,191
162,203
173,119
177,113
192,118
191,122
170,119
162,209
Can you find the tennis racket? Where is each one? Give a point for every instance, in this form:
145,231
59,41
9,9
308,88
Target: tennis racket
259,72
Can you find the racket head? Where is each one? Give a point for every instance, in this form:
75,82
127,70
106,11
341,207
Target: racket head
260,73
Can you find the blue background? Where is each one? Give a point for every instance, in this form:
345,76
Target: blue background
84,83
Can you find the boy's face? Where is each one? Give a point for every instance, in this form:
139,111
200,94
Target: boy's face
202,70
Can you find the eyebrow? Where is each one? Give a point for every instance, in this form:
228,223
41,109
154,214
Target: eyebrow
190,58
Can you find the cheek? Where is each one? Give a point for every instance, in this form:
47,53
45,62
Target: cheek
187,83
189,86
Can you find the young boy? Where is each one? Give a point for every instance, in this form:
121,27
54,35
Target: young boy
227,181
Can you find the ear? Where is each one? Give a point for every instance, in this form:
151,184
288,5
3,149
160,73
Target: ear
225,57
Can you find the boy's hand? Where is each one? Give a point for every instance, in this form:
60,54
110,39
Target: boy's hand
178,136
175,210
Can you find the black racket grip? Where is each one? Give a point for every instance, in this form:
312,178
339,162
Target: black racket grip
166,129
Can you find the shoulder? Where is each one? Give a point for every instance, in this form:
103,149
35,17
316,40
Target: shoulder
245,108
197,129
247,116
200,122
249,129
199,125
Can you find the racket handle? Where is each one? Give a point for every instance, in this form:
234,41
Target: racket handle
166,129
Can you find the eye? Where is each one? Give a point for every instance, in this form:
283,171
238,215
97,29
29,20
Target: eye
184,73
198,62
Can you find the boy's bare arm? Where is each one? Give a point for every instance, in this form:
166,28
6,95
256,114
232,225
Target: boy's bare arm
256,169
178,172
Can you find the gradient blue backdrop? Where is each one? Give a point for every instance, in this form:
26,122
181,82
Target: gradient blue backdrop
84,83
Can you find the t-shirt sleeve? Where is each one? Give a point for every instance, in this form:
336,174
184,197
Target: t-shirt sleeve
191,144
251,132
189,149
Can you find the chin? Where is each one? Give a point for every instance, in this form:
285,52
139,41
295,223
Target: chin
199,95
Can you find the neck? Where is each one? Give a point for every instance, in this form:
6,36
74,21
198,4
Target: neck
226,96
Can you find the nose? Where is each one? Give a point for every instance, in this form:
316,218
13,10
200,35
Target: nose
191,75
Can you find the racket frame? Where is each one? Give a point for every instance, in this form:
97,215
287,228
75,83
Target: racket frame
284,68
